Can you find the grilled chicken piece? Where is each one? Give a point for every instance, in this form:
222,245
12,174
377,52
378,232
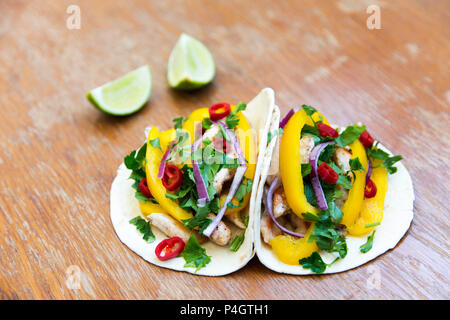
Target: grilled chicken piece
280,205
268,229
341,158
171,227
222,235
222,176
306,145
235,217
299,225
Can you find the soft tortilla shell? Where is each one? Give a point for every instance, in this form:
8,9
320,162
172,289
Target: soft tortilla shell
398,214
124,207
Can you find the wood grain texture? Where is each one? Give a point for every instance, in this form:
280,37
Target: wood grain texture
59,154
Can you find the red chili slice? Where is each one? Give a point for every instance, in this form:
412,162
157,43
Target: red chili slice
371,189
220,144
143,188
219,111
327,173
169,248
173,177
327,131
366,139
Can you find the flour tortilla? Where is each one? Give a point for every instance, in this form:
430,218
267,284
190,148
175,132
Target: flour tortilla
397,217
124,206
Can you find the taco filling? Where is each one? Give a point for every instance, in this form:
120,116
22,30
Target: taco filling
193,182
331,185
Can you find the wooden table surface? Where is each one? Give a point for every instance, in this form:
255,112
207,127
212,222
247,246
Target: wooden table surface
59,155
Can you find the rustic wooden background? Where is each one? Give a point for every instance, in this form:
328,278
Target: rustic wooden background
59,155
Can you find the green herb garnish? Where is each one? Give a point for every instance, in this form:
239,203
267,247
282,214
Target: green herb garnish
195,255
143,227
325,231
370,225
135,162
387,161
368,245
232,119
155,143
206,123
349,135
239,239
178,123
315,263
306,169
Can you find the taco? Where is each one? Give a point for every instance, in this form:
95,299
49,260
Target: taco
331,198
183,200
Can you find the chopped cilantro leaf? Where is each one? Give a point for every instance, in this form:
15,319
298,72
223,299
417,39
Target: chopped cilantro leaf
325,231
232,119
306,169
327,153
214,205
199,220
310,130
374,224
178,122
387,161
206,123
195,255
309,110
309,192
155,143
138,195
349,135
356,165
344,181
244,188
135,162
308,216
143,227
368,245
313,262
239,239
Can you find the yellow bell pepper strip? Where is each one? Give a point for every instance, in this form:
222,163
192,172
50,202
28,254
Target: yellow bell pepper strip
195,117
153,159
290,166
353,204
147,208
166,137
372,208
290,250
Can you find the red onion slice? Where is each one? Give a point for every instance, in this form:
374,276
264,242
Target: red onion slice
239,175
369,171
286,118
269,203
235,142
162,165
313,159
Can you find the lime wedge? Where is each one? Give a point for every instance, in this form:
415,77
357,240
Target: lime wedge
125,95
191,65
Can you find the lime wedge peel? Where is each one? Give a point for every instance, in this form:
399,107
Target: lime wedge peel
124,95
191,65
